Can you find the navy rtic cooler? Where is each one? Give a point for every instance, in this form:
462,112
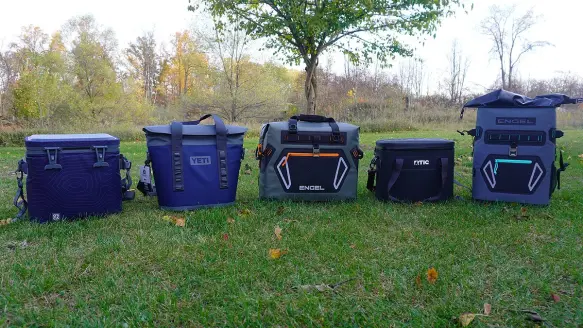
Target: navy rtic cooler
72,176
515,147
412,170
309,157
194,165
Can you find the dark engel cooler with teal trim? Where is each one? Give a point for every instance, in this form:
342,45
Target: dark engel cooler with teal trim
193,165
72,176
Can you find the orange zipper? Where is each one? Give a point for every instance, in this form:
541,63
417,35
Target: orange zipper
308,155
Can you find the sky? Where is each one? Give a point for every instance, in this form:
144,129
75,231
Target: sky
559,24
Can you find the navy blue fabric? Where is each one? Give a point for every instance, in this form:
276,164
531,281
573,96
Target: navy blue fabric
503,98
76,190
71,140
201,174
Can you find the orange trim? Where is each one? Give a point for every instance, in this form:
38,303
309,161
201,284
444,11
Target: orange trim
308,155
259,149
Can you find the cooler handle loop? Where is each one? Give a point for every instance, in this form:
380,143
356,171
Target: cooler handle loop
293,124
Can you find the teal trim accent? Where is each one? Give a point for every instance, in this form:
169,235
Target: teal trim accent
510,161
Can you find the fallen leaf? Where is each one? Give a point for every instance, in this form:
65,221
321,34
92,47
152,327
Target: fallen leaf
487,309
276,253
280,210
419,203
167,218
248,172
466,319
418,281
432,275
230,220
580,156
470,158
556,298
244,212
225,236
277,232
352,246
180,222
523,210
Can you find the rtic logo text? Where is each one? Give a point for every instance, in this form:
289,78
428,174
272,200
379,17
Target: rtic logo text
421,162
515,120
200,160
312,188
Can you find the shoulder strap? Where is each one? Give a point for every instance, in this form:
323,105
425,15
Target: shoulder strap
19,200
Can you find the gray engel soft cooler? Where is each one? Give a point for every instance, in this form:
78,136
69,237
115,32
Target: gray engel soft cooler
309,157
515,147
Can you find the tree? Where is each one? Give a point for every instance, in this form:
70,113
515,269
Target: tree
456,73
143,62
507,32
301,30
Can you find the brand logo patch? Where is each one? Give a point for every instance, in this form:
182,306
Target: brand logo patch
56,216
420,162
515,120
312,188
200,160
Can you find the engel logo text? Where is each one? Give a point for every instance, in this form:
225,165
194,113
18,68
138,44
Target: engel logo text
421,162
515,121
312,188
200,160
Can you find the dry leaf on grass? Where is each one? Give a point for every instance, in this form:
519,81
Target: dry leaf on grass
280,210
432,275
466,319
352,246
176,220
225,236
275,253
244,212
230,220
487,309
277,232
180,222
418,281
556,298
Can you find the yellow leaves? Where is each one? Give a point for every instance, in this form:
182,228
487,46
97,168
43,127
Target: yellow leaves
277,232
276,253
230,220
466,319
432,275
176,220
245,212
5,222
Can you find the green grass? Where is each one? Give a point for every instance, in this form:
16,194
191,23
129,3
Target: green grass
136,269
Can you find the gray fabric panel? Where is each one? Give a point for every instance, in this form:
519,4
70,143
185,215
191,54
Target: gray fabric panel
269,185
486,119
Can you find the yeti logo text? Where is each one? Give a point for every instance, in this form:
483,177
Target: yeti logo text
200,160
312,188
421,162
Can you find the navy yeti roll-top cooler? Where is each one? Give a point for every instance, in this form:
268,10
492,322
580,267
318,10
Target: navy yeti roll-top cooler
194,165
71,176
515,147
412,170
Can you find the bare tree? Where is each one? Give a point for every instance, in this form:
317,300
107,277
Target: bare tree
143,61
507,32
457,72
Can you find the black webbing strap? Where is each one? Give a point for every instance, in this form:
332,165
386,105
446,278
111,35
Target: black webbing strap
176,145
126,182
397,169
372,172
176,141
147,187
19,199
562,167
444,176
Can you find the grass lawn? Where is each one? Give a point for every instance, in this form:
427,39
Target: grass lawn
136,269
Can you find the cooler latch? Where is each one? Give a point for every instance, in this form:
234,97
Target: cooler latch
316,151
100,152
513,150
52,154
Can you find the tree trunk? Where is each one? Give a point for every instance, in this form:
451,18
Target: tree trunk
311,86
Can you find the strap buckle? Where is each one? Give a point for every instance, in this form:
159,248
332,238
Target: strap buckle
100,153
52,154
316,151
513,152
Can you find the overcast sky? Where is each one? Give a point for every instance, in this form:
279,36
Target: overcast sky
560,25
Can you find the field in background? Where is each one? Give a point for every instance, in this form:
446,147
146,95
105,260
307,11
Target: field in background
135,268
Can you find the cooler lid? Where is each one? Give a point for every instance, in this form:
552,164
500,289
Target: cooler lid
195,130
505,99
415,144
70,140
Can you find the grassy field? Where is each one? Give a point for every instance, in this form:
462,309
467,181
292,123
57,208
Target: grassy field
136,269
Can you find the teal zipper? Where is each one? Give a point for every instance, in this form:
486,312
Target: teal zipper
510,161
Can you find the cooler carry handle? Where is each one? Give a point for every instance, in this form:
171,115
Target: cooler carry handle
176,143
293,123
